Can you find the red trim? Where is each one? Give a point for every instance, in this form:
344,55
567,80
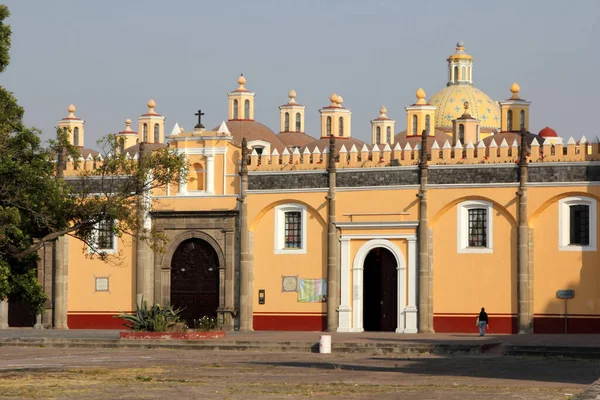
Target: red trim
94,321
290,323
545,324
505,323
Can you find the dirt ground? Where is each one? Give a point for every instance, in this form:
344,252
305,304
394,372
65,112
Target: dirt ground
40,373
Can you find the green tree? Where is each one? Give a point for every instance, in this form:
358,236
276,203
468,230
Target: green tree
38,204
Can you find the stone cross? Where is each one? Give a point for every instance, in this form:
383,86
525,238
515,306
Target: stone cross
199,114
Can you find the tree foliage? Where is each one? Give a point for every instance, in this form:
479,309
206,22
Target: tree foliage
38,204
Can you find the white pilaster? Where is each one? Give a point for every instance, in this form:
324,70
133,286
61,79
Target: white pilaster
411,309
4,314
210,174
345,311
357,297
182,191
401,306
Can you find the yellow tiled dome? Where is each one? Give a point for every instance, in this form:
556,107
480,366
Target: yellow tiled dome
449,105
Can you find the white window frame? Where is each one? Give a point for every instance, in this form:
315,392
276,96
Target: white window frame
463,227
94,241
279,230
564,223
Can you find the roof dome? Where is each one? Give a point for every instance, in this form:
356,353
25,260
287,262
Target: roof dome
252,130
548,132
449,105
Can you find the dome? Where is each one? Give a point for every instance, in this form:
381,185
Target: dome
547,132
252,130
295,139
449,105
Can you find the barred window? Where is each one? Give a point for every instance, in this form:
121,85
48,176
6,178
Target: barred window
298,123
388,135
293,230
106,239
145,133
477,227
579,225
378,135
156,133
286,122
235,109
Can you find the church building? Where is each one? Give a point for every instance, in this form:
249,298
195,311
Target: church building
413,231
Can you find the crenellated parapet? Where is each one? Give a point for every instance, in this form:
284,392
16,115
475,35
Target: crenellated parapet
439,154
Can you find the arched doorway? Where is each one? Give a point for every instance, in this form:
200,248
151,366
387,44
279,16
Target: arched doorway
380,299
195,280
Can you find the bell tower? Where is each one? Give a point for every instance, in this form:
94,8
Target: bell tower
151,126
465,128
73,126
335,119
291,115
241,102
514,111
382,128
420,116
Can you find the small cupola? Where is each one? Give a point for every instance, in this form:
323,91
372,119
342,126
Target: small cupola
460,67
151,125
465,129
382,128
241,102
420,116
73,126
291,115
127,137
335,119
514,111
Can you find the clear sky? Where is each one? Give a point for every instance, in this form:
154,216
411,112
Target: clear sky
109,57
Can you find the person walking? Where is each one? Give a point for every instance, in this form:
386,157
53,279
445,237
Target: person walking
482,321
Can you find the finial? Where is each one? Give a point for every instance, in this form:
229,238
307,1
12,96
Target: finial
515,89
340,100
334,100
151,104
241,81
71,110
460,45
420,96
127,125
466,104
383,111
292,95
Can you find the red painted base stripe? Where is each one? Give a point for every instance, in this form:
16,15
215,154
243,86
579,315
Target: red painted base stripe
557,325
94,321
290,323
446,324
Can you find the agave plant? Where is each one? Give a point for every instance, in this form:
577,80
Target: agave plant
153,319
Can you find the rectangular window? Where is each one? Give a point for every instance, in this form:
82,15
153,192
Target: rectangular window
579,225
105,235
293,230
477,227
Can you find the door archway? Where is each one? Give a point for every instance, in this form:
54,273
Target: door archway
195,280
380,291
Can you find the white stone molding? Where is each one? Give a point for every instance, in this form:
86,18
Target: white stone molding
210,174
564,223
462,216
279,231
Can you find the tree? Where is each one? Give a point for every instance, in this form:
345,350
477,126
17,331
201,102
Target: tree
38,204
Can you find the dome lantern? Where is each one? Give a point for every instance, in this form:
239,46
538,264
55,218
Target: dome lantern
460,67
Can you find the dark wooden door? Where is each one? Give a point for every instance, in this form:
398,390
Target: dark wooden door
195,280
380,291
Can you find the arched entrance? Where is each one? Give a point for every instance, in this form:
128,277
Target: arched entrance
195,280
380,300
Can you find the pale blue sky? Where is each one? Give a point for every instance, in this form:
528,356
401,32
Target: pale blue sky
109,57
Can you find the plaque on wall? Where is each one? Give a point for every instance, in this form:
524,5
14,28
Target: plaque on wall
102,284
289,283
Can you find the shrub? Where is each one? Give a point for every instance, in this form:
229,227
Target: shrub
153,319
207,324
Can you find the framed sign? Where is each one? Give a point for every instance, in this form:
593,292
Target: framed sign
289,283
102,284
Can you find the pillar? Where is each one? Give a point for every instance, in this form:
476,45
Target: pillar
210,174
345,310
182,191
61,276
246,267
4,314
411,308
524,316
143,253
333,265
425,309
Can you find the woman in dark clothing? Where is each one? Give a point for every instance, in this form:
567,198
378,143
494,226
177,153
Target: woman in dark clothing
482,321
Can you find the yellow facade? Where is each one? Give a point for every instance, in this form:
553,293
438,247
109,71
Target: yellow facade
308,239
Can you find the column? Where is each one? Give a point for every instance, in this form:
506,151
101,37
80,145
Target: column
61,277
333,265
357,298
182,191
411,309
210,174
425,295
4,314
525,306
344,310
246,267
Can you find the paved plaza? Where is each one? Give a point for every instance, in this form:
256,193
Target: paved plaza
71,373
